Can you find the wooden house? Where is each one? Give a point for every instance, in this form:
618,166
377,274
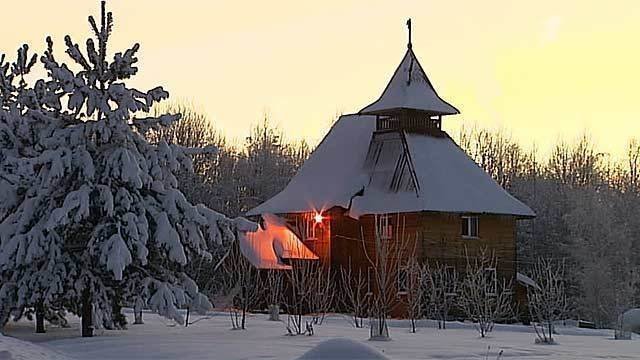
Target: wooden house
391,166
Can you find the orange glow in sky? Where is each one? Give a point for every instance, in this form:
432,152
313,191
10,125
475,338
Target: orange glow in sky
540,69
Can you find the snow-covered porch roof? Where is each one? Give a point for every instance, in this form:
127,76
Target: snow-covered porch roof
267,248
448,180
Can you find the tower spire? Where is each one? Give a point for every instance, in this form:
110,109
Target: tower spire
409,47
409,27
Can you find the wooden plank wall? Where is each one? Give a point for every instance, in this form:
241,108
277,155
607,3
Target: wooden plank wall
436,237
432,237
321,244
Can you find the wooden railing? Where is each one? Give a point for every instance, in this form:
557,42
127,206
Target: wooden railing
411,123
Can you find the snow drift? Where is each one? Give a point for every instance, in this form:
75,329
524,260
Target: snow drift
14,349
342,349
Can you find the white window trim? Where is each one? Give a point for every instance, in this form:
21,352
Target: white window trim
469,217
384,227
309,224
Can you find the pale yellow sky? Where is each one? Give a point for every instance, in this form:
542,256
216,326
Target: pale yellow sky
541,69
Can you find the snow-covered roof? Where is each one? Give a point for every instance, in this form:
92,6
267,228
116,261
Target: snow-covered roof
447,180
527,281
265,249
410,88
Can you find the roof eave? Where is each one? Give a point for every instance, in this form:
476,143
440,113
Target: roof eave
391,111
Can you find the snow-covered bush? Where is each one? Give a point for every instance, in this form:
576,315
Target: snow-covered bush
441,288
90,208
244,287
605,252
630,320
484,299
274,292
302,286
414,296
547,299
386,259
323,293
354,293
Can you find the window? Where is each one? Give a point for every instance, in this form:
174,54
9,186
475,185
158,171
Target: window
383,227
310,227
403,280
470,226
491,281
370,278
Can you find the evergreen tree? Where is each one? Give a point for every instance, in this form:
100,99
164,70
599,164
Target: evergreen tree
92,214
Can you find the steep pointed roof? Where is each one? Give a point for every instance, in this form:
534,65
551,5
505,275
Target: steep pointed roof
410,88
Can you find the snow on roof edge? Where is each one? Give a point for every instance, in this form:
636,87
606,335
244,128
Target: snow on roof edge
377,107
348,140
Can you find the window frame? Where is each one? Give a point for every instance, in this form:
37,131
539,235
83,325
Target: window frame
470,219
402,290
309,231
383,224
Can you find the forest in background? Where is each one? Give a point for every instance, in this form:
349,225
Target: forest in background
587,204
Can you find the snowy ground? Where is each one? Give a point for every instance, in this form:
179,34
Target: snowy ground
211,338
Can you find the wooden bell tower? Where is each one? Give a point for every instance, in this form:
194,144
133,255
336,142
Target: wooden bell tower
410,103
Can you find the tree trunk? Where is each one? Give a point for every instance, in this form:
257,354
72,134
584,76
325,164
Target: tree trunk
186,322
137,313
138,317
119,321
87,314
274,313
40,318
244,317
379,329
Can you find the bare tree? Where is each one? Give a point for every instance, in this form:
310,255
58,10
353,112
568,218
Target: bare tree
633,166
547,298
483,298
384,255
243,286
274,287
625,299
354,290
441,289
301,282
604,252
579,164
322,294
137,311
495,152
413,275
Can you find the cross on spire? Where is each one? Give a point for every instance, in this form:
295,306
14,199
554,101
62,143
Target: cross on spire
409,47
409,27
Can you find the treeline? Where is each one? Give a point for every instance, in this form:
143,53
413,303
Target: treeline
234,177
588,215
587,205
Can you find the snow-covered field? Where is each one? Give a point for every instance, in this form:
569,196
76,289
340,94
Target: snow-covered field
211,338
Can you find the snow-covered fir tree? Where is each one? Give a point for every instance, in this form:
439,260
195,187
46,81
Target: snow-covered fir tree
91,212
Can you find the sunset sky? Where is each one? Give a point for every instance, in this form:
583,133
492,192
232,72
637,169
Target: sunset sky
540,69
